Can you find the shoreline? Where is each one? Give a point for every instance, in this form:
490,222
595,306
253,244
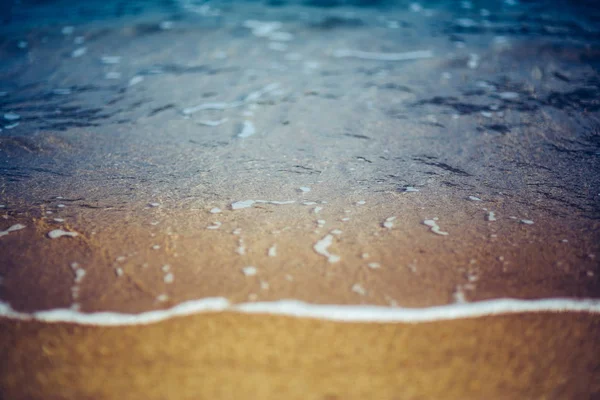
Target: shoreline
298,309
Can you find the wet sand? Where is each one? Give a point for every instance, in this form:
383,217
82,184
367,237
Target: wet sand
405,265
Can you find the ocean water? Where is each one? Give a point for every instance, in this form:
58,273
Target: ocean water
543,54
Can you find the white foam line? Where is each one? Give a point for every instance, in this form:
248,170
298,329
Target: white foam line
255,96
215,122
251,98
294,308
211,106
364,313
117,319
365,55
249,203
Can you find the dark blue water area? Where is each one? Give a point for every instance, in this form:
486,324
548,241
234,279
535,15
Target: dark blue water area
15,14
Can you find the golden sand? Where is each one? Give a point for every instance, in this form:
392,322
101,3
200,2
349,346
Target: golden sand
234,356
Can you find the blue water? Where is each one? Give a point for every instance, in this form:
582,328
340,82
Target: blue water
72,113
